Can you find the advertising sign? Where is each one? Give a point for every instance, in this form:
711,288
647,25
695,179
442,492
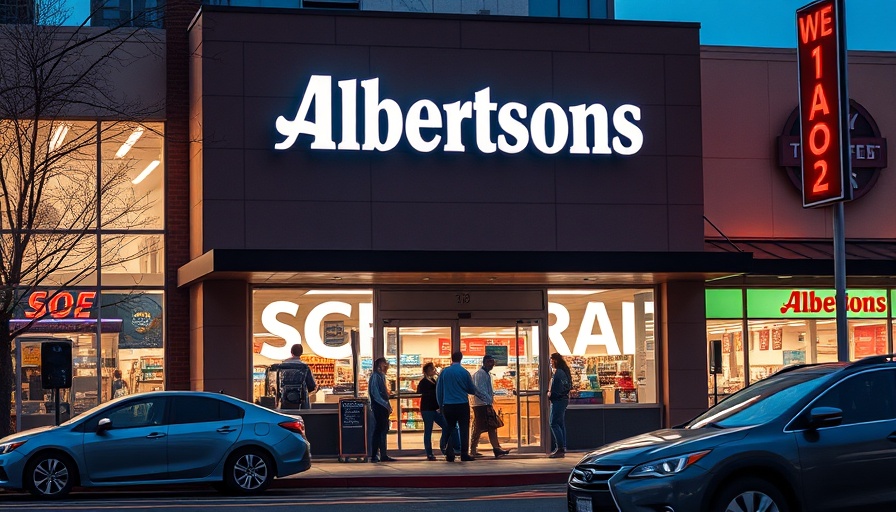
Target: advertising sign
821,59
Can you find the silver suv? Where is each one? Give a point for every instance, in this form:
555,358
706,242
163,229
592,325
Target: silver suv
811,438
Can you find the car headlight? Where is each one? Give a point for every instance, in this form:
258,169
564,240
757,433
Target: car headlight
667,467
8,447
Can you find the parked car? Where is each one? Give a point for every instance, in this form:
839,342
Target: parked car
162,437
810,438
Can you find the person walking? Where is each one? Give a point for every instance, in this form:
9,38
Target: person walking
296,380
483,410
382,408
429,409
453,389
558,395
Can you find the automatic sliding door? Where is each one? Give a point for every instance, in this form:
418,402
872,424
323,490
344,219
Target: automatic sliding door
408,346
515,377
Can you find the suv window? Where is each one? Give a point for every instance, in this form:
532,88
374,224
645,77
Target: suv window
200,409
760,402
866,396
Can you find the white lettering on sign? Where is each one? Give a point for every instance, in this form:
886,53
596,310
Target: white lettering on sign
426,126
595,316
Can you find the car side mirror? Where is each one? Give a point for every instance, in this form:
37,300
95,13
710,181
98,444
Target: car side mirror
103,425
820,417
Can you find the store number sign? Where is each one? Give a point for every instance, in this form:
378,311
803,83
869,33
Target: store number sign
821,62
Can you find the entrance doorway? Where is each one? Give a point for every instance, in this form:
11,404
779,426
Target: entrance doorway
516,378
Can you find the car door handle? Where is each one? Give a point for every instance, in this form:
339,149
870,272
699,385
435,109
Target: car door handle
156,435
892,437
226,430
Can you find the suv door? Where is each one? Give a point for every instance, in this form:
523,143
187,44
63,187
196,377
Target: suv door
852,465
201,433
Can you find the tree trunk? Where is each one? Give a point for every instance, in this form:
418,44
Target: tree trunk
6,376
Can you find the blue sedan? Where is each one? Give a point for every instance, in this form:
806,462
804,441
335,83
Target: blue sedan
162,437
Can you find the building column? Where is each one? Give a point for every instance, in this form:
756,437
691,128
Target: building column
220,330
684,351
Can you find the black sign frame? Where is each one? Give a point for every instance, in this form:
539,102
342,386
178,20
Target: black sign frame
353,429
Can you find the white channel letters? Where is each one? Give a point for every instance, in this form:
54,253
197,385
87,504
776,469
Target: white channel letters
595,315
428,126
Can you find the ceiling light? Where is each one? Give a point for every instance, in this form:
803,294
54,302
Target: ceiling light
339,292
128,144
574,292
58,137
149,168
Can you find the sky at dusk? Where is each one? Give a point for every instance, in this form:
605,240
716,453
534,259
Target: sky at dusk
870,24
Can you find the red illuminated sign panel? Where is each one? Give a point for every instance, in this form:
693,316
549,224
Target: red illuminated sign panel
821,61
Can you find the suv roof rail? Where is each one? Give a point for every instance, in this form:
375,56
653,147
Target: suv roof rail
878,359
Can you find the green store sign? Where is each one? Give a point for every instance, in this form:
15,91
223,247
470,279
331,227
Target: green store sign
796,303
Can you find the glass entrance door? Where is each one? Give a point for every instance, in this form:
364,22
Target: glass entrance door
515,378
408,345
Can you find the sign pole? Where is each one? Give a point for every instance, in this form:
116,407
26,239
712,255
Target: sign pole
840,284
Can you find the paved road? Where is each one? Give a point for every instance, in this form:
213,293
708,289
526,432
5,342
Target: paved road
518,499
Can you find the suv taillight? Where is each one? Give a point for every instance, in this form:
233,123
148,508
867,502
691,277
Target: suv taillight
297,426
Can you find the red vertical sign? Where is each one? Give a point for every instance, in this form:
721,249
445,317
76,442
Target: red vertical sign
824,134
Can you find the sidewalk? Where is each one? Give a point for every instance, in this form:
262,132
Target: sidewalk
416,471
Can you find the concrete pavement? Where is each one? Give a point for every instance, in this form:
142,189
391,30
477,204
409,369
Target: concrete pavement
416,471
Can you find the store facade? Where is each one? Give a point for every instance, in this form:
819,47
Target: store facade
425,184
781,312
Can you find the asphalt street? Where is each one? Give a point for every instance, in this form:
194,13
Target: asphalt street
543,498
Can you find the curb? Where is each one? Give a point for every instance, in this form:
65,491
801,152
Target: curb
423,481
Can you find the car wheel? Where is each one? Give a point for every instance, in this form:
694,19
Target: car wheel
50,475
750,495
248,472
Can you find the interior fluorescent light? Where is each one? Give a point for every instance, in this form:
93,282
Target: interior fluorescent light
58,137
339,292
149,168
574,292
128,144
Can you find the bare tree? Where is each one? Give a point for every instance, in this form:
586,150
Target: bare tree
62,217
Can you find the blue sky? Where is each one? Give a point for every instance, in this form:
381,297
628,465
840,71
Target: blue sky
870,24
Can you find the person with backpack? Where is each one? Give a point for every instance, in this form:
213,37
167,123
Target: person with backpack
296,381
558,394
119,386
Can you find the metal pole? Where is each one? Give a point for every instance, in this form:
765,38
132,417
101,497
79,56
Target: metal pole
840,283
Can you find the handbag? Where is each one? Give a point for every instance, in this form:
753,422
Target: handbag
492,418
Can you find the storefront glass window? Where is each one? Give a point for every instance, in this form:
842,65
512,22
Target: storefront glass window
790,327
322,322
607,337
133,176
732,377
133,260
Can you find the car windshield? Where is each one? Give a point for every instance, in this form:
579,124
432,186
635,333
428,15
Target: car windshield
760,402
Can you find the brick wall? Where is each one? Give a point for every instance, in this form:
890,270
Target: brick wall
178,14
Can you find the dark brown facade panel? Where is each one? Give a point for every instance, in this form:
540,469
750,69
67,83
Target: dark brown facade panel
616,180
684,134
683,222
384,31
222,72
267,25
307,225
684,178
230,181
525,35
682,80
660,39
612,227
293,65
305,176
463,227
588,77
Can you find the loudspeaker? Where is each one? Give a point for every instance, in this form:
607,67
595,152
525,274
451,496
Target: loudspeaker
715,356
56,364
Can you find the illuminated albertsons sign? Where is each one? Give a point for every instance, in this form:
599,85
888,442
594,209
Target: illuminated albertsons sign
821,58
578,129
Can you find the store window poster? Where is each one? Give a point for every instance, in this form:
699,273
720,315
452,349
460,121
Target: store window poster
141,319
764,337
738,342
870,340
334,333
777,339
726,343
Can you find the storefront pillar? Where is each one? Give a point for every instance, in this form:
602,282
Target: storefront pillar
220,346
684,350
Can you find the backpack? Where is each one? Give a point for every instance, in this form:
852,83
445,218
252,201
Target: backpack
119,389
293,387
564,387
